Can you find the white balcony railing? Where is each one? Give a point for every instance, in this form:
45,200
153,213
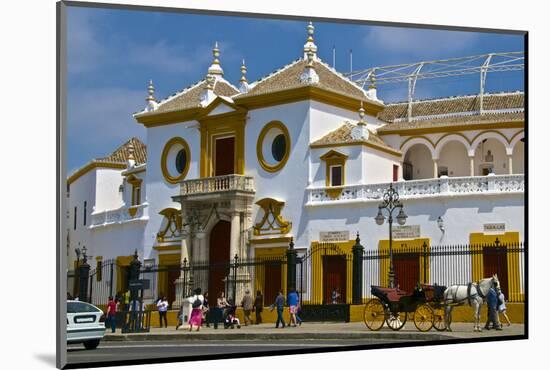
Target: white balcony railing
445,186
119,215
218,184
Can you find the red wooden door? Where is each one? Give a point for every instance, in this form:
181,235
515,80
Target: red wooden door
219,257
407,270
272,280
334,277
225,156
495,262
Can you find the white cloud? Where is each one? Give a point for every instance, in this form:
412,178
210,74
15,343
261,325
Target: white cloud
419,43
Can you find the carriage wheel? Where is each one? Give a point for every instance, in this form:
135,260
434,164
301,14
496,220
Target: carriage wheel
396,320
424,317
439,318
374,314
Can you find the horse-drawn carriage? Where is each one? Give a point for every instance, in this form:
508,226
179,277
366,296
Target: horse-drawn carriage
393,306
429,305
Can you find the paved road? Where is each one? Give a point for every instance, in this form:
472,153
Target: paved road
110,351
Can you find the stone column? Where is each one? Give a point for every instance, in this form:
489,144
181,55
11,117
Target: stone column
235,237
510,164
472,169
436,170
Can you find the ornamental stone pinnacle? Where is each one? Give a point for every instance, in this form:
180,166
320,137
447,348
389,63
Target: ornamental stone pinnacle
216,68
309,76
310,44
243,87
151,101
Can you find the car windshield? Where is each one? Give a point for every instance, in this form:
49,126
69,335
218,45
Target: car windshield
78,307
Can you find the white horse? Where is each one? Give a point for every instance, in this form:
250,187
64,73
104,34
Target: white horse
473,293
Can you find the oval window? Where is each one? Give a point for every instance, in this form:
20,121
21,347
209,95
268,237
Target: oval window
181,160
278,147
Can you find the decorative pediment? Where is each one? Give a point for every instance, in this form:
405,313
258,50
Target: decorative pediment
220,109
333,155
171,225
272,221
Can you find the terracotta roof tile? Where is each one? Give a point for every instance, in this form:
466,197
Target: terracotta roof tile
342,135
190,97
288,78
423,108
120,155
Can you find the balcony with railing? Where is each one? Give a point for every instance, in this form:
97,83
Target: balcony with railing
119,215
218,185
440,187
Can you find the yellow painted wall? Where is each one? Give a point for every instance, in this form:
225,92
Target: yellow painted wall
268,254
400,246
478,241
317,254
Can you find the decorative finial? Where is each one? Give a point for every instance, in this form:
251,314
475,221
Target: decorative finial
309,76
244,82
131,150
371,92
361,115
216,68
151,101
207,94
372,80
310,44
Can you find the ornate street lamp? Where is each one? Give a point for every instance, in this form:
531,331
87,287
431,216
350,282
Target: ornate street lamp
390,204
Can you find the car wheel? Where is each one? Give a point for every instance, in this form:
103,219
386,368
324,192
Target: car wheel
91,344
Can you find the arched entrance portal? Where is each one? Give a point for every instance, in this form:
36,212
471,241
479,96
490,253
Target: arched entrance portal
219,258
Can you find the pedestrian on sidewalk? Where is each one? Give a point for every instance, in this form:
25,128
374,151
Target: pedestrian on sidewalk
298,311
248,304
196,301
162,305
492,315
279,305
292,301
335,295
206,310
111,314
221,304
259,306
502,307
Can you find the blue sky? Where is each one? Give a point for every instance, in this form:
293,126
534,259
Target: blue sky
112,54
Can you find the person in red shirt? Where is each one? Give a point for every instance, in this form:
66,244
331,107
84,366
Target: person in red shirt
111,313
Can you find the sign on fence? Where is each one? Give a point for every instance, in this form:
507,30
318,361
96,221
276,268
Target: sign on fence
334,236
138,284
406,232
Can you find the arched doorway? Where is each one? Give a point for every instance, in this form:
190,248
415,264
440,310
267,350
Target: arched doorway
453,159
490,157
518,161
418,163
220,237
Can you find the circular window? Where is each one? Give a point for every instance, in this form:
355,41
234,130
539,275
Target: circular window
181,161
175,160
273,147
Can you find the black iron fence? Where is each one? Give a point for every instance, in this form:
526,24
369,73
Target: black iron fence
325,275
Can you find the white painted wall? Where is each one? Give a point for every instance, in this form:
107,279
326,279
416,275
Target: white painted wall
82,190
461,216
108,181
378,166
159,192
117,240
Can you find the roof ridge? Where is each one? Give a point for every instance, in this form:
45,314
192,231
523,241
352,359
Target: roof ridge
500,93
333,70
276,72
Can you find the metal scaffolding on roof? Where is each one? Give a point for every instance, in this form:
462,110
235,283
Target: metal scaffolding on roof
412,72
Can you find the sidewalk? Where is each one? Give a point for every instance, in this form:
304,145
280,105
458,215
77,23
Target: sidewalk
353,330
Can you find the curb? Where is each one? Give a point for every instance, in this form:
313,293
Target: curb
274,336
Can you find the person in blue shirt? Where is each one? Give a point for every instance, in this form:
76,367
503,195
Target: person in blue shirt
279,305
293,306
492,316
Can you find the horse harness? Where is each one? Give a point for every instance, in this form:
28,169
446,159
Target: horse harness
469,293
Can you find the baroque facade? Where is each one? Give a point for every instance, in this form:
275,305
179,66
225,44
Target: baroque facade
302,153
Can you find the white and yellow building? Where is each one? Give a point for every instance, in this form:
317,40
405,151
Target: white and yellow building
302,153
